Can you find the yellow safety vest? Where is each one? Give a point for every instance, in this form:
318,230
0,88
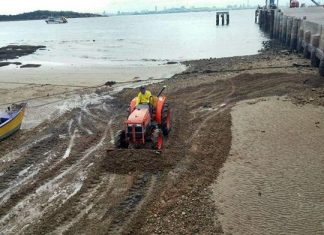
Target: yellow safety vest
143,98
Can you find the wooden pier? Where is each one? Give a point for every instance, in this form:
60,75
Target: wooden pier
300,29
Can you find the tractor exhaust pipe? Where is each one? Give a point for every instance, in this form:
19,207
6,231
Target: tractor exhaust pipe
160,93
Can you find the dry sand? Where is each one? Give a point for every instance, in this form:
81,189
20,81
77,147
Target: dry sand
272,182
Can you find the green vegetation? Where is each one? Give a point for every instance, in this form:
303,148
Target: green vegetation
39,15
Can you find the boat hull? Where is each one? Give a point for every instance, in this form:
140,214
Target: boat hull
9,128
60,20
51,22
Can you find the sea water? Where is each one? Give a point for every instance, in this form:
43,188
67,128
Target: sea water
137,40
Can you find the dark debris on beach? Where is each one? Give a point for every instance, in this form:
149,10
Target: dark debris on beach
15,51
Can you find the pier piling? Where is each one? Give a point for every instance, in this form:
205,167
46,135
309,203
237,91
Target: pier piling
222,15
299,29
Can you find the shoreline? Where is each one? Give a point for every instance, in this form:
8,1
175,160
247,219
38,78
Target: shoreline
55,93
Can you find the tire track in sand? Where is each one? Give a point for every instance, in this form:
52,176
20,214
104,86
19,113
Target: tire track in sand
140,191
215,112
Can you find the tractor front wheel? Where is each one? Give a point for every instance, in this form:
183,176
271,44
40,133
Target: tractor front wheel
157,139
120,139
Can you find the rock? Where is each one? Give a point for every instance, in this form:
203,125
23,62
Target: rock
110,83
8,63
285,52
208,71
30,66
15,51
196,230
300,65
2,64
183,213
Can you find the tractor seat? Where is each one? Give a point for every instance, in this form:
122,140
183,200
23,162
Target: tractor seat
143,106
149,107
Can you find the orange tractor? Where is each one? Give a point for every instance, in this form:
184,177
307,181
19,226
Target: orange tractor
147,123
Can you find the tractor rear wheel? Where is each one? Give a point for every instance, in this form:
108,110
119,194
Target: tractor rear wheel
157,139
120,139
166,119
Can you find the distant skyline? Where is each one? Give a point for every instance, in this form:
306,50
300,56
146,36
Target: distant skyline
112,6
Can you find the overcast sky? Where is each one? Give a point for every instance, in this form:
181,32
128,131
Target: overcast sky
98,6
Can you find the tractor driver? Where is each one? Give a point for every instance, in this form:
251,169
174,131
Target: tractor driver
143,97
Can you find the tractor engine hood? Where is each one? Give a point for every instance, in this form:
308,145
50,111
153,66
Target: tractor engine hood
139,116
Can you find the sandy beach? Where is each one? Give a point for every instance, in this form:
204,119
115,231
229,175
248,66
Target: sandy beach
245,155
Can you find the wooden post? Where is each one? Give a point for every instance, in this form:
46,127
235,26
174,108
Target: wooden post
271,22
224,17
217,19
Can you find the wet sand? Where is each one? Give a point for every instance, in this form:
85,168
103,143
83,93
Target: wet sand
87,75
272,181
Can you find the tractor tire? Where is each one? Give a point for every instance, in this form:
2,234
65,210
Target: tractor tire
120,139
166,119
157,139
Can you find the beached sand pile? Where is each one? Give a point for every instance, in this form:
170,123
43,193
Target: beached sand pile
64,176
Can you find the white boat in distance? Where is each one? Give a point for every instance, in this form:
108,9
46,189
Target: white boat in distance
57,20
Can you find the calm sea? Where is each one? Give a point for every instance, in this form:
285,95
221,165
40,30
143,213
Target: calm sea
130,40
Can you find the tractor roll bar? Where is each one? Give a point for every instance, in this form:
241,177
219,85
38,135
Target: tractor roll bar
163,88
